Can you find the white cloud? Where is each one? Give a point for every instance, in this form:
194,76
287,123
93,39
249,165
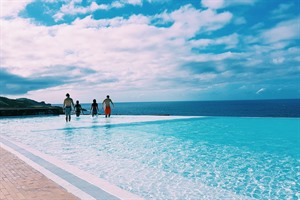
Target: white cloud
215,4
240,2
128,53
106,45
239,21
12,8
297,58
278,60
135,2
123,55
253,62
72,8
261,90
243,87
158,1
117,4
230,41
188,21
286,30
205,77
282,11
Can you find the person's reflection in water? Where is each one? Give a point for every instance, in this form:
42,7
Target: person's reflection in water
94,123
69,134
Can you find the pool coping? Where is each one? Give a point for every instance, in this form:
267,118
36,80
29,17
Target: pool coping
81,184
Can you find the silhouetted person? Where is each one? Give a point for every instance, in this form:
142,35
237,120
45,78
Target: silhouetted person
78,109
94,108
106,106
67,106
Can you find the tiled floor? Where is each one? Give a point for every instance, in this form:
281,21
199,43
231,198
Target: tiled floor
20,181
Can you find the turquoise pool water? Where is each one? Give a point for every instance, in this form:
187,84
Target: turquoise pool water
180,158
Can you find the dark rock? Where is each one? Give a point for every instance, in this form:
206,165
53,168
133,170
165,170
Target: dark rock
23,106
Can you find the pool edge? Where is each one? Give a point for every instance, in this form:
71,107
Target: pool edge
89,183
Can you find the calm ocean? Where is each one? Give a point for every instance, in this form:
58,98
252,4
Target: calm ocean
244,108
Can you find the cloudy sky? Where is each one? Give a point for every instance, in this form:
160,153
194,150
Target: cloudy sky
150,50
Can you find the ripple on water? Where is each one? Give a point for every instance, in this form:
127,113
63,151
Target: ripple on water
214,158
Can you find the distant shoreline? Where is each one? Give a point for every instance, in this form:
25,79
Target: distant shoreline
23,106
30,111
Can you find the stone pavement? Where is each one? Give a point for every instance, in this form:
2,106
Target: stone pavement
19,181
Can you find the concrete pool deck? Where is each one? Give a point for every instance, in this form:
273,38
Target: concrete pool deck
20,181
24,169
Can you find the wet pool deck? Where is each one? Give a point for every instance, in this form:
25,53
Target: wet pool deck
19,181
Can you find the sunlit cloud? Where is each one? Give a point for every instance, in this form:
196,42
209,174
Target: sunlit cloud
171,49
10,9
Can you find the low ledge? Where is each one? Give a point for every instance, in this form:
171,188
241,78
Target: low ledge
31,111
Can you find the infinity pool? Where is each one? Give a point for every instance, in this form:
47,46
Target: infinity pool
164,157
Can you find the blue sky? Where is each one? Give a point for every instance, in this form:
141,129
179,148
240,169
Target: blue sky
150,50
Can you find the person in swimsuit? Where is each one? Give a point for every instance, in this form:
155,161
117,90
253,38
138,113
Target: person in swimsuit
106,105
78,108
67,106
94,108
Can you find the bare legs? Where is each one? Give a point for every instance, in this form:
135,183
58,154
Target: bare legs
68,118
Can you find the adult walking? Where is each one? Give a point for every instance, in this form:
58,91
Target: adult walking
67,106
106,106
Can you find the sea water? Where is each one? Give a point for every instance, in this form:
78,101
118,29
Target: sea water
237,108
161,157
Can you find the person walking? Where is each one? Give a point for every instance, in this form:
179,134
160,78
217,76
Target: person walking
94,108
67,106
78,108
106,106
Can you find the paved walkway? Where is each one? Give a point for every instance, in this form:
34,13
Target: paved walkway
19,181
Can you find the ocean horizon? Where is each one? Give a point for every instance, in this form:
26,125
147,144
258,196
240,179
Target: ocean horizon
233,108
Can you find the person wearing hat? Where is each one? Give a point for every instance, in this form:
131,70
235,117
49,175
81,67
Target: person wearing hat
67,106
